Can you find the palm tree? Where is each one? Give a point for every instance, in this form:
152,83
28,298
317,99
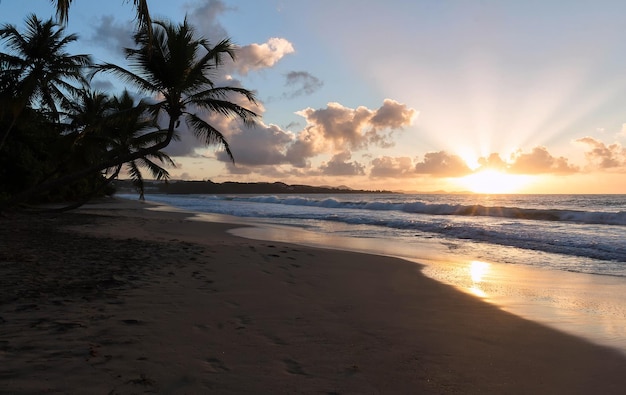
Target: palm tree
175,66
131,128
37,71
101,127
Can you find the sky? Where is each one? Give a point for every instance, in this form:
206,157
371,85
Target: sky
483,96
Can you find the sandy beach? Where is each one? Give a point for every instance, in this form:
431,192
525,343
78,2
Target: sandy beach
118,299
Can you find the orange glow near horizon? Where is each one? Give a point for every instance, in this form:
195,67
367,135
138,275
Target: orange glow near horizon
493,181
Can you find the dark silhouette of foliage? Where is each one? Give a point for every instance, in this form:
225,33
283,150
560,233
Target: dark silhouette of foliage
68,142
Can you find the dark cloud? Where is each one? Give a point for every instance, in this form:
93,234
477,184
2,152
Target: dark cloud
238,169
113,35
301,83
204,16
339,166
300,151
442,164
262,145
184,144
604,156
393,115
389,167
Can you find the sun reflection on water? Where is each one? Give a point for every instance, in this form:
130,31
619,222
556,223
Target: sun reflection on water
478,270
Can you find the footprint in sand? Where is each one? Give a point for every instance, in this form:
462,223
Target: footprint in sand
215,365
276,340
294,367
243,321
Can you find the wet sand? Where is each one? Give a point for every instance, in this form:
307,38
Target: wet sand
118,299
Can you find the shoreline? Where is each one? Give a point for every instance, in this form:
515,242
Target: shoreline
590,306
177,306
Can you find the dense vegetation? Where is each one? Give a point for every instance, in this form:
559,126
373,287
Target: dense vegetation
61,140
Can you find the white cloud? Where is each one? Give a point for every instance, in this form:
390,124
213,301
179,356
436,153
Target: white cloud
261,56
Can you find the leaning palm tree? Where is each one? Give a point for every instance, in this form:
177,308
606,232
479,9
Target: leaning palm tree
131,127
174,66
37,71
100,127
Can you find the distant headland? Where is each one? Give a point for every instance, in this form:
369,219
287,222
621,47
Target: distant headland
230,187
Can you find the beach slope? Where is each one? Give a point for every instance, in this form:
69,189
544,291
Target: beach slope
116,298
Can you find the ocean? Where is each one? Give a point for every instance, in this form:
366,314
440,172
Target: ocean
557,259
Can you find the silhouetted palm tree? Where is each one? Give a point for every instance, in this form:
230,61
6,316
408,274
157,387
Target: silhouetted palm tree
37,71
176,66
131,127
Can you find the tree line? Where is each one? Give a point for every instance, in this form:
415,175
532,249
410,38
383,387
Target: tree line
63,140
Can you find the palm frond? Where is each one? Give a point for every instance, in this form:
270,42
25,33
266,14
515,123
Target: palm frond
125,75
207,133
223,92
63,7
229,109
157,172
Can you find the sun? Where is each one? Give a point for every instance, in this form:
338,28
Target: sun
493,181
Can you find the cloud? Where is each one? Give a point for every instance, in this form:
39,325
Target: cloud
393,115
389,167
339,166
604,156
493,161
184,145
442,164
335,129
113,36
204,17
261,145
302,83
539,161
342,128
260,56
